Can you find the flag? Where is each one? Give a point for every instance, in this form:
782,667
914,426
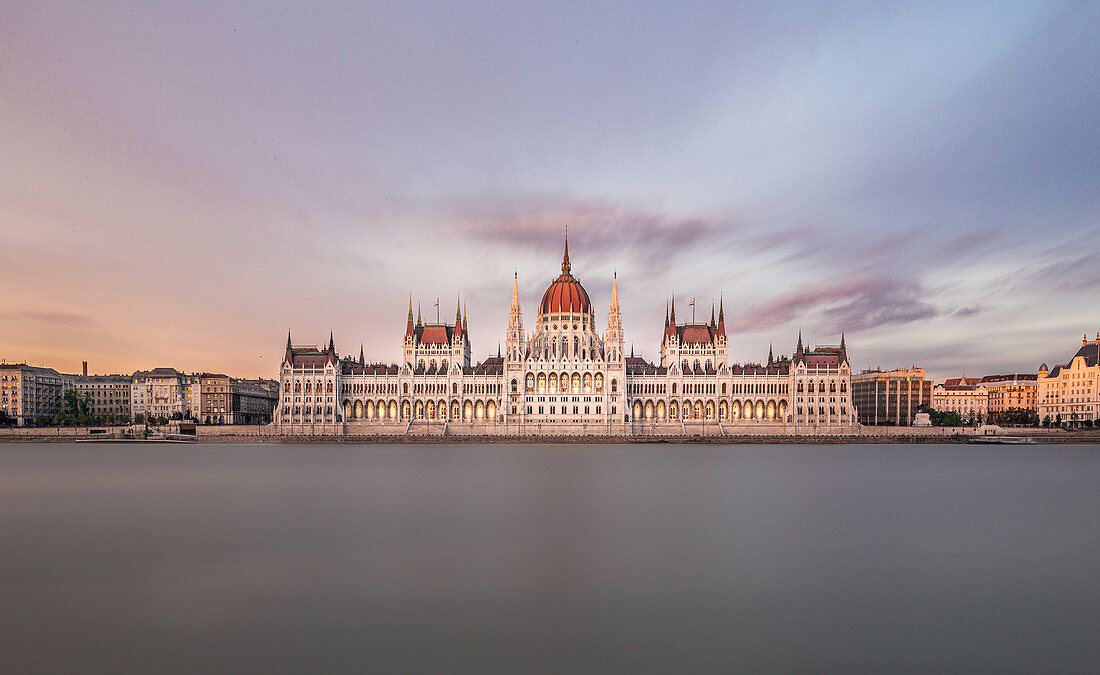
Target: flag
692,303
437,302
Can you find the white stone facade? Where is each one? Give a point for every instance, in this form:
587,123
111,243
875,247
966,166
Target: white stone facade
566,378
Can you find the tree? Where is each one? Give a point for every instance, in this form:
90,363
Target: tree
139,418
6,420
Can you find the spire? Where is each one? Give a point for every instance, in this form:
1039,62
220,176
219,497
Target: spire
288,338
666,317
721,317
419,323
362,360
565,258
771,358
331,344
673,320
409,326
515,293
615,292
458,312
464,318
712,322
798,349
631,350
842,348
498,350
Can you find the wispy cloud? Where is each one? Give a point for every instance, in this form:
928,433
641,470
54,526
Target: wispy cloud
854,304
55,319
645,236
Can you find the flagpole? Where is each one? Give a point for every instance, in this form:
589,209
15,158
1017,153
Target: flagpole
437,311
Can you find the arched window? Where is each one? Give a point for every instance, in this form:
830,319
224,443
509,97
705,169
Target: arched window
614,385
673,387
696,365
723,388
599,382
530,380
406,387
684,365
515,385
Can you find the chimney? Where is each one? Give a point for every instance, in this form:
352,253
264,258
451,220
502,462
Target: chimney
85,369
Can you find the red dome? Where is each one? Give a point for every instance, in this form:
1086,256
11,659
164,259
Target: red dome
565,295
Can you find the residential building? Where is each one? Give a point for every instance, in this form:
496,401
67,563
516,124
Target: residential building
30,393
892,396
110,395
164,392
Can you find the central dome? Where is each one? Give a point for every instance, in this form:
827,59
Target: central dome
565,295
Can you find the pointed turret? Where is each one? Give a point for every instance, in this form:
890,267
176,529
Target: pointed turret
514,338
565,258
515,293
288,338
798,348
464,318
843,347
419,322
771,359
713,323
409,326
331,342
613,338
721,317
289,356
362,361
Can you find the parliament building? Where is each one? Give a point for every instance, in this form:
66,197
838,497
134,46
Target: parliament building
564,378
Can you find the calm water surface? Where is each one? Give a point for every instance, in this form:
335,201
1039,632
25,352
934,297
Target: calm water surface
296,558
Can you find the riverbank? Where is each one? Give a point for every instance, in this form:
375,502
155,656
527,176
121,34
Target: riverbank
865,435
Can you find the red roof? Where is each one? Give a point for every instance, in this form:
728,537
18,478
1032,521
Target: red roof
695,334
435,335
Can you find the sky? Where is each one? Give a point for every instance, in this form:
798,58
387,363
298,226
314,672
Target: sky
183,183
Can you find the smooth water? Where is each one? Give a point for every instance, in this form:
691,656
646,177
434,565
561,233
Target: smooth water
474,558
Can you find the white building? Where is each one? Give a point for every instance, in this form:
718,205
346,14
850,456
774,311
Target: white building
968,397
1071,392
564,377
165,392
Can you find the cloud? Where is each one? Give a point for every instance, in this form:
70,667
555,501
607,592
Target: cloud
57,319
967,311
647,237
852,305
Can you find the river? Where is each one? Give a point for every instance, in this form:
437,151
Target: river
549,558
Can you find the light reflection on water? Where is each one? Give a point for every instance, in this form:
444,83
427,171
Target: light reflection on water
549,558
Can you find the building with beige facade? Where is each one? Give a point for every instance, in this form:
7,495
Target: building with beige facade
1011,392
228,400
1070,392
109,395
30,394
892,396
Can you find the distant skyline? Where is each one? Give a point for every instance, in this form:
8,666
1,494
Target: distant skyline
183,184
